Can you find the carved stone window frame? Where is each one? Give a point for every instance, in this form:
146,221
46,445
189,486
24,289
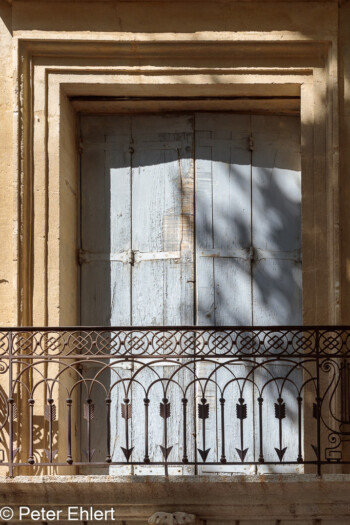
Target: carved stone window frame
54,73
57,78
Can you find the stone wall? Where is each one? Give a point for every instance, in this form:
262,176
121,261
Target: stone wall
344,108
54,55
54,51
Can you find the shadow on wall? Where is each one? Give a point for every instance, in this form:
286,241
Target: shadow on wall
6,16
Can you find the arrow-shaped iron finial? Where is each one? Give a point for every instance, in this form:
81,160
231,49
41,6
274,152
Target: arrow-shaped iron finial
203,414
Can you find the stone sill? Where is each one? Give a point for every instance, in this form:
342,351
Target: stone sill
272,496
164,480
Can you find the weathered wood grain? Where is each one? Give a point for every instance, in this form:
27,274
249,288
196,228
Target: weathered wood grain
193,219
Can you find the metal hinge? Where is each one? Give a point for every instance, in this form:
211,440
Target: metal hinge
128,256
251,143
251,254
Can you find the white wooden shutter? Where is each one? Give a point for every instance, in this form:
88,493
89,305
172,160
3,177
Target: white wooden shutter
137,257
276,277
138,262
223,240
248,246
105,272
162,280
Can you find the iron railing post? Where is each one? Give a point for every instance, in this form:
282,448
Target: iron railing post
318,403
10,405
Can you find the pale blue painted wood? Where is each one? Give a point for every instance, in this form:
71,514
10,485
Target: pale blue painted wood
162,289
223,228
277,278
276,176
248,204
105,230
138,192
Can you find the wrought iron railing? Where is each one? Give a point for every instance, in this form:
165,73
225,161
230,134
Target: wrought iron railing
180,399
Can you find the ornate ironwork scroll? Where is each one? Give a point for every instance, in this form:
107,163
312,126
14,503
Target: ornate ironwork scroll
184,396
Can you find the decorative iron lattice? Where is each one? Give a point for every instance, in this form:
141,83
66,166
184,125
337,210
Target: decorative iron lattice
190,397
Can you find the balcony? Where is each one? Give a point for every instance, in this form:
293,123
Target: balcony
174,400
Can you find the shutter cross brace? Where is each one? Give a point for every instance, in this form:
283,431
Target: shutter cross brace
127,257
252,254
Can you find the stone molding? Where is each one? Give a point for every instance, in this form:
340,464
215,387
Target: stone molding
220,59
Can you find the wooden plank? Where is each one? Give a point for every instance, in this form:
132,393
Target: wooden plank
222,217
205,306
162,287
205,312
277,284
157,218
276,177
223,283
105,226
232,225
